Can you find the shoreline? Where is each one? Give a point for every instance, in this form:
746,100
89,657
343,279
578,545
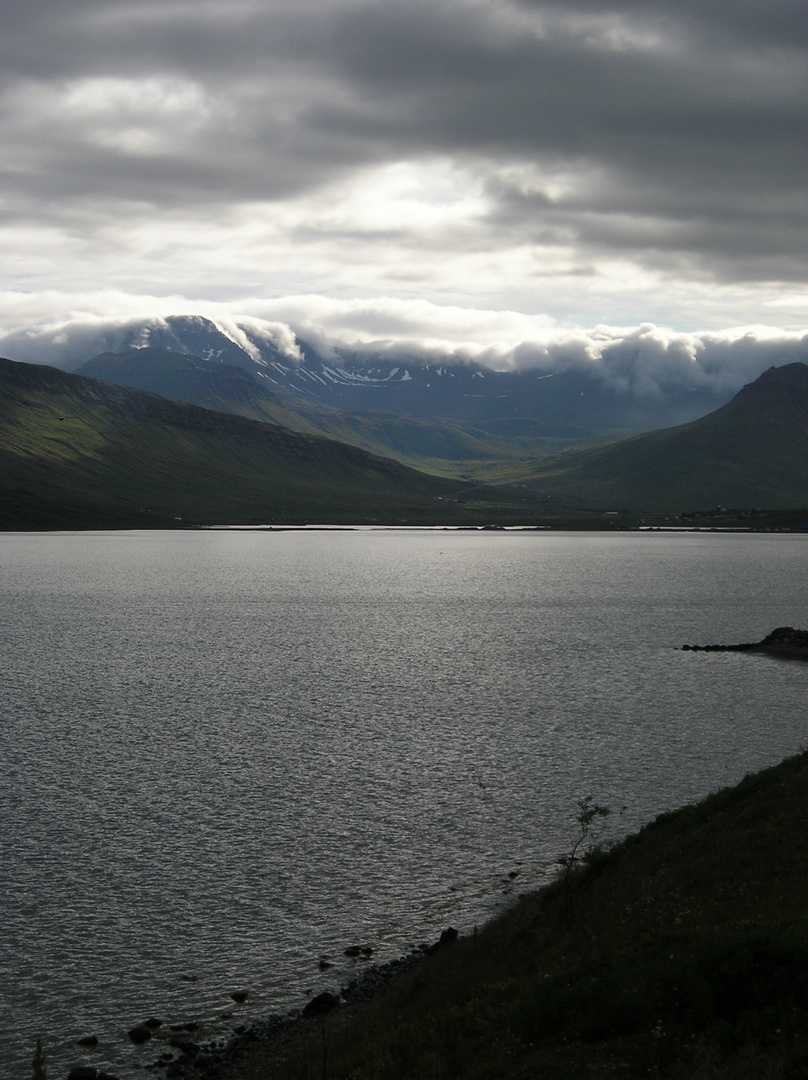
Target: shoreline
182,1052
784,641
269,1041
577,980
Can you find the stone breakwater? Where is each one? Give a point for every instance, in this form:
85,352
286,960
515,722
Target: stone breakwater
783,641
182,1053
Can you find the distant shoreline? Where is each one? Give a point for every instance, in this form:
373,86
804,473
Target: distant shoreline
784,641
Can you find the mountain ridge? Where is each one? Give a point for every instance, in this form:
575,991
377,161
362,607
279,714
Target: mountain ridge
570,395
750,452
429,444
67,438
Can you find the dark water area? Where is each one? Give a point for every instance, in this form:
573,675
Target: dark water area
226,754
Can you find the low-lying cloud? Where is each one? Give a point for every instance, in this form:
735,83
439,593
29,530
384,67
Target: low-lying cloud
643,361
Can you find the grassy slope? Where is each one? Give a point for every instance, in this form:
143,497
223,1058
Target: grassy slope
682,953
751,452
442,447
77,451
92,456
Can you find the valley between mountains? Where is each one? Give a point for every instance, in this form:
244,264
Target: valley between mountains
152,437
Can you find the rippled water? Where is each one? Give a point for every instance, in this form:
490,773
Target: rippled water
227,753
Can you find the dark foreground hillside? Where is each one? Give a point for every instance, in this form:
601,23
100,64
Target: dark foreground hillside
682,953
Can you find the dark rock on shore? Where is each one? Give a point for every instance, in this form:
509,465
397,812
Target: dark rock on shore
447,936
185,1046
140,1034
272,1039
783,641
322,1004
358,950
87,1072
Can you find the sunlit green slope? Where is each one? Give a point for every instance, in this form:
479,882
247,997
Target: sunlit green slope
75,450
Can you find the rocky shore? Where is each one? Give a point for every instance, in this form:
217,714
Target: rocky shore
185,1051
784,641
182,1051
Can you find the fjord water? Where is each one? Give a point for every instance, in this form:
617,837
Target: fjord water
225,754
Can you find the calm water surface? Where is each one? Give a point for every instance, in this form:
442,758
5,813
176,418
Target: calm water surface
226,754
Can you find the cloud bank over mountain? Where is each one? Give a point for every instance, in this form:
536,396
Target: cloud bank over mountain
596,161
644,361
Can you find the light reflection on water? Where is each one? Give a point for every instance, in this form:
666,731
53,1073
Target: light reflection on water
225,754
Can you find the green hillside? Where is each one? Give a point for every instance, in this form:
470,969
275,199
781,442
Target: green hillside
752,452
76,451
443,447
681,954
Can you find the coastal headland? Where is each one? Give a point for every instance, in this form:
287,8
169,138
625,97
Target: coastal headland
784,641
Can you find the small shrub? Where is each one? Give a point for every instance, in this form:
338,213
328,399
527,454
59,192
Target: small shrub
40,1072
588,813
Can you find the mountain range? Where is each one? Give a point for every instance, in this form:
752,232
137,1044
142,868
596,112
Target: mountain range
573,403
229,448
750,452
443,446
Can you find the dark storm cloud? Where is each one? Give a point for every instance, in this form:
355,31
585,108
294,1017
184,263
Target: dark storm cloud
216,94
671,135
687,128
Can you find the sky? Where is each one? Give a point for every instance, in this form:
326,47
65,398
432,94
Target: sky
483,177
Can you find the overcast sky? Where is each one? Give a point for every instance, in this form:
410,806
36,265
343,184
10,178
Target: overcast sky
513,168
